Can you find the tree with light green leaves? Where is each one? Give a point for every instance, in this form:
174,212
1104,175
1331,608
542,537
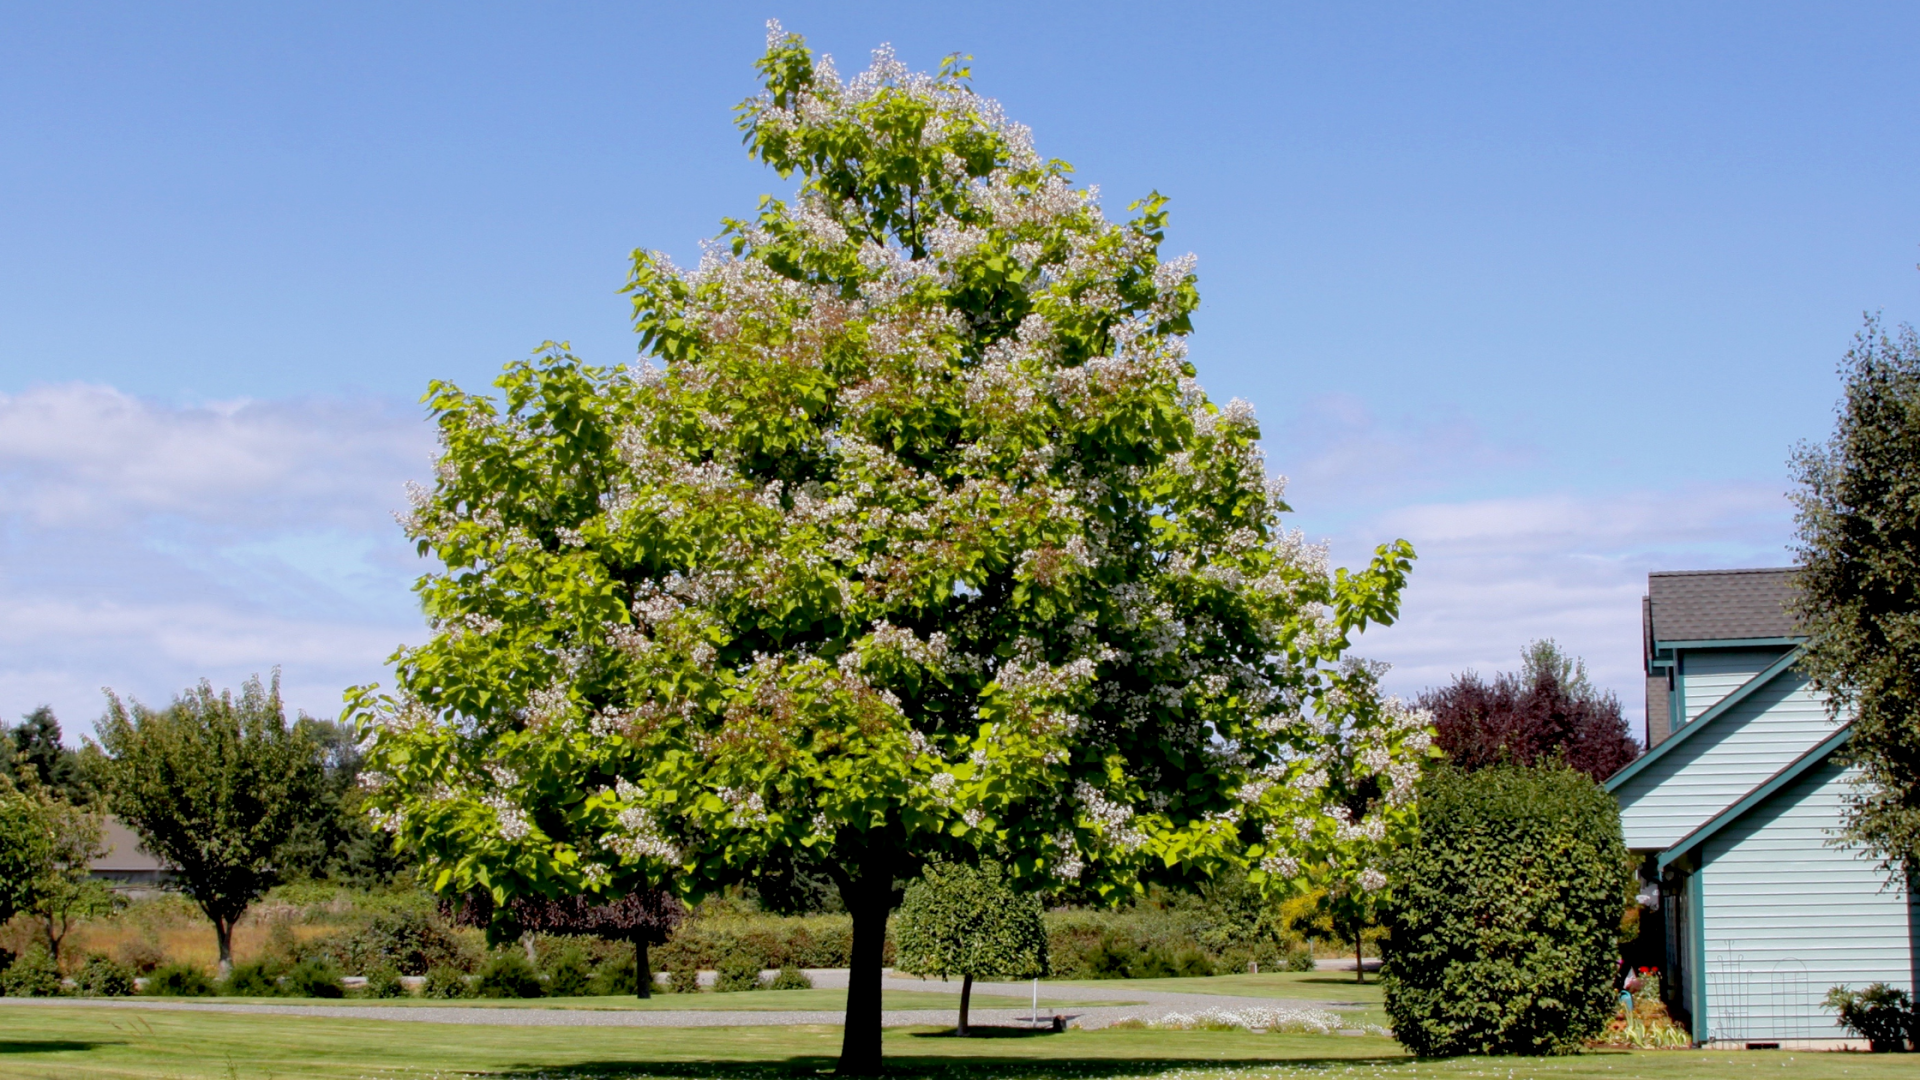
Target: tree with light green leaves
26,844
1857,593
66,892
968,921
214,786
923,544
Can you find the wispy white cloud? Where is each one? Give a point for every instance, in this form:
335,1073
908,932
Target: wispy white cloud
149,545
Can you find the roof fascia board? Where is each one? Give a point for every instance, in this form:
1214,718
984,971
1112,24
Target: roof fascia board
1726,643
1796,769
1720,708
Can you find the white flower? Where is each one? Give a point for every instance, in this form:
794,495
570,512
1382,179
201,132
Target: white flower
1371,880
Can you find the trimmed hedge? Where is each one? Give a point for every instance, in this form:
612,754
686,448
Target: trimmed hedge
1506,914
764,941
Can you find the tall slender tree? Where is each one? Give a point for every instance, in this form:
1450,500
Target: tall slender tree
925,543
1858,589
214,785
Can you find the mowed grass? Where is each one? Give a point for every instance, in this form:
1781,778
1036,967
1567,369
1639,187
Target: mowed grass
750,1001
39,1042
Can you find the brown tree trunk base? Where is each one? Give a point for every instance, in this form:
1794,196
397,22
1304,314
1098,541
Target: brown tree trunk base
966,998
642,969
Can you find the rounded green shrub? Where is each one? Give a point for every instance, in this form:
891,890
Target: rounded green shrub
314,977
260,978
570,973
103,976
791,978
384,982
684,980
1506,913
508,975
34,974
446,982
179,980
737,973
614,975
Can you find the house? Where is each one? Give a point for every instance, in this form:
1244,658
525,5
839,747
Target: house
1733,813
126,866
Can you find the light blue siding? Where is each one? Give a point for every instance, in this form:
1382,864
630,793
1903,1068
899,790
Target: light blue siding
1717,765
1707,675
1786,916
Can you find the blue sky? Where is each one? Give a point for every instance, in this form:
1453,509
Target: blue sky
1551,292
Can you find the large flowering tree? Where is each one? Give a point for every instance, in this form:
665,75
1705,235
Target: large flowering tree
923,542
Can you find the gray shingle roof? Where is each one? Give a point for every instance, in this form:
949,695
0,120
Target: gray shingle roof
1712,605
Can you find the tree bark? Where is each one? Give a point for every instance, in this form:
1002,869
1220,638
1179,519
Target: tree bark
642,968
223,929
966,998
868,899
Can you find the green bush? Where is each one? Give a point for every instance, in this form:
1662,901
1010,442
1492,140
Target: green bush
1506,914
384,982
1300,959
33,974
103,976
1880,1014
570,973
314,977
791,978
771,941
737,973
613,975
447,982
179,980
508,975
409,941
261,978
684,980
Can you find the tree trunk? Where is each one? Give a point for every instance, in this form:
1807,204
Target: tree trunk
642,968
223,929
868,899
53,942
966,998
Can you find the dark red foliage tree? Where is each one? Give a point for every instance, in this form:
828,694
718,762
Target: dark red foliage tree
645,918
1546,709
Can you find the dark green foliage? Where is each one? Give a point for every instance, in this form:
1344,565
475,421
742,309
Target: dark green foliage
26,845
1300,959
614,975
570,973
960,920
34,754
1505,923
1880,1014
409,940
384,982
260,978
508,975
179,980
1116,957
33,974
684,980
447,982
214,786
103,976
1858,590
738,973
314,977
337,842
791,978
811,941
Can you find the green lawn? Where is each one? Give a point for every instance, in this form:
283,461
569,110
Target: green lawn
39,1043
754,1001
1290,985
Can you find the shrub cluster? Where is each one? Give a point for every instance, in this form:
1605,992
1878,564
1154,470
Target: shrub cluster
1881,1014
1505,922
765,941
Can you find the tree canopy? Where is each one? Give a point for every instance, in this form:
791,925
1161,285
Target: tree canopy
214,786
925,543
968,921
1858,589
1548,709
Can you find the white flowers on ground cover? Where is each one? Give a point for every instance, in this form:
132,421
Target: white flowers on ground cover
1291,1020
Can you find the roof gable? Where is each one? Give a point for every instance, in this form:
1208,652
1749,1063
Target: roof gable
1694,727
1758,796
1719,605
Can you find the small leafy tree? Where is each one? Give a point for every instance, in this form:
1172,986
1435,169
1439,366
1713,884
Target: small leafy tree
66,892
26,846
214,786
969,921
925,544
1858,589
1506,913
1548,710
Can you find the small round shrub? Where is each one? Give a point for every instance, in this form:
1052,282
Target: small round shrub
33,974
410,941
446,982
179,980
260,978
1881,1014
570,973
314,977
103,976
508,975
684,980
614,975
1506,914
791,978
737,973
384,982
142,956
1300,958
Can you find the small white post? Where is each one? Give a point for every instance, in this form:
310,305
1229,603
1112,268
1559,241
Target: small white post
1034,1020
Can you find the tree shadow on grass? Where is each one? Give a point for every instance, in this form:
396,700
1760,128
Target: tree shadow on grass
914,1067
45,1046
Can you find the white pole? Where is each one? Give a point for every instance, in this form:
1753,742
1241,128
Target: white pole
1034,1020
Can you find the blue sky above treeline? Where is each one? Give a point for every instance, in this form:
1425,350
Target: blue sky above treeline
1552,293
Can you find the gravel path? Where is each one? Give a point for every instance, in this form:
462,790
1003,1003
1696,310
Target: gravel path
1152,1005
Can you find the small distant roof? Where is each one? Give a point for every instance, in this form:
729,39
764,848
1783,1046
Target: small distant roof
1716,605
124,853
